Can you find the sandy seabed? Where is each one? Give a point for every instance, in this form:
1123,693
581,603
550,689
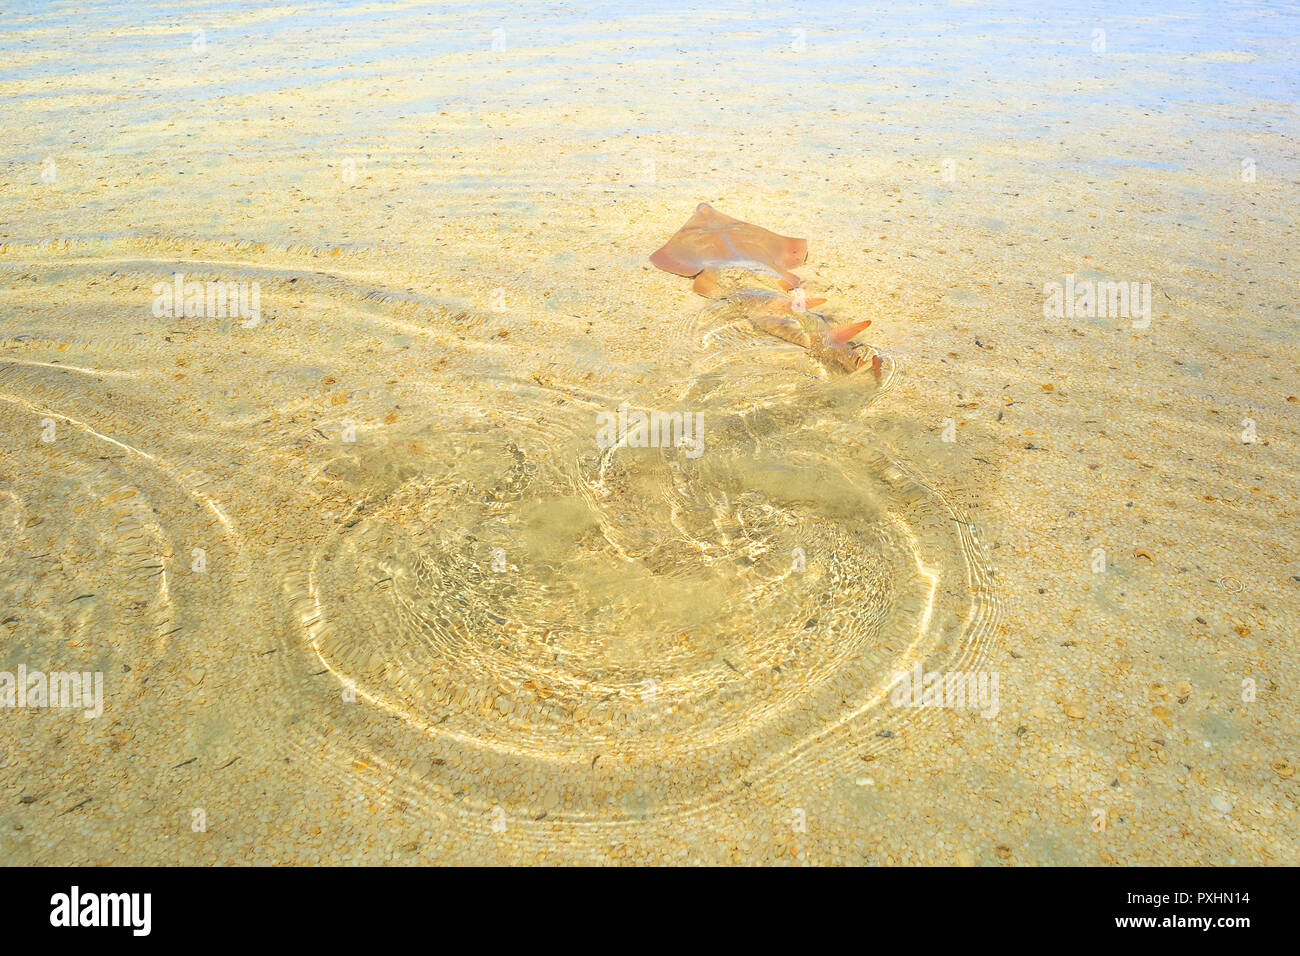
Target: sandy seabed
362,585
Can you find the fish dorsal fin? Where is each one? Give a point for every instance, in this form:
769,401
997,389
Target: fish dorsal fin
842,333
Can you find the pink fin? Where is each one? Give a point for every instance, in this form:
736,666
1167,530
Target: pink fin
706,284
842,333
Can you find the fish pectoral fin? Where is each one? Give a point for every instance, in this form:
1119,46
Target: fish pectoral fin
665,258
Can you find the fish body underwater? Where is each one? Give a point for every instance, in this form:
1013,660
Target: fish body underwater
746,268
784,317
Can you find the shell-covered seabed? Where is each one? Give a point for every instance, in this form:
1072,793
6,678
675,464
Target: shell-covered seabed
365,584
